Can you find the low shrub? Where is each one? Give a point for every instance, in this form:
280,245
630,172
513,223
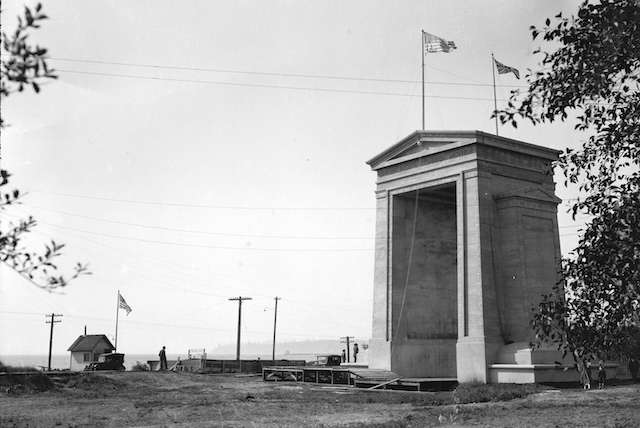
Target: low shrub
13,369
480,393
140,367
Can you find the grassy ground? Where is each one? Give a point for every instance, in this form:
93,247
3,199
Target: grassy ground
162,399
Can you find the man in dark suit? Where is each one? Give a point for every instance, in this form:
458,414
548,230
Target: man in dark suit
163,359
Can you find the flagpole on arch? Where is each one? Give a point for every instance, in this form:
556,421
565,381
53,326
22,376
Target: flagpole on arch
495,102
115,345
422,54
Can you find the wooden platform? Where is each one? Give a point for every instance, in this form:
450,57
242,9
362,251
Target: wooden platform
326,375
409,384
357,377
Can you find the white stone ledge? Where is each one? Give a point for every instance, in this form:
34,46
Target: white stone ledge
542,366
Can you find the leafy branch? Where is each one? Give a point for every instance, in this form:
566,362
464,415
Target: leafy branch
591,68
25,65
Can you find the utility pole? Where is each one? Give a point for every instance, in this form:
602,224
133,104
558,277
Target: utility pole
239,299
52,321
347,340
275,319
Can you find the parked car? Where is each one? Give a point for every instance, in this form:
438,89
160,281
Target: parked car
110,361
327,360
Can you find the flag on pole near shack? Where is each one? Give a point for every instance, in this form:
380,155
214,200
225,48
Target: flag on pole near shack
505,69
123,304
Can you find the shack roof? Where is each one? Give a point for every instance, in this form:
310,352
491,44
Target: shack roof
88,342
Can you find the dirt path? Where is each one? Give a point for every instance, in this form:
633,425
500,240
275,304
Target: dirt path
168,399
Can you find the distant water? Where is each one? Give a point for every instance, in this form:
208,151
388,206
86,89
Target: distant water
62,361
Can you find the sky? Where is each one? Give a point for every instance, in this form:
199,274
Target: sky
195,151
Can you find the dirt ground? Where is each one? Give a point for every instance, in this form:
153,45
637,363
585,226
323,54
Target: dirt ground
192,400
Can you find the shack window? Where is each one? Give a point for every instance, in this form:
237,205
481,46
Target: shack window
87,356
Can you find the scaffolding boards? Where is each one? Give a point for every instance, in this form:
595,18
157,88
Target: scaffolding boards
359,378
328,375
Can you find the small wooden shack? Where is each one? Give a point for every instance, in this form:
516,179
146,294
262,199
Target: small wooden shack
87,348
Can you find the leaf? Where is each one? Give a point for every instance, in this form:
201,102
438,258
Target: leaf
28,16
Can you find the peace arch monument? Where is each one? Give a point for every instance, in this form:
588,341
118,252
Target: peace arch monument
466,243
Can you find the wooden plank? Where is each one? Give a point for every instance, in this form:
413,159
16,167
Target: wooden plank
373,374
430,379
384,383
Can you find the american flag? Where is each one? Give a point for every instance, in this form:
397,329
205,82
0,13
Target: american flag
505,69
123,303
434,44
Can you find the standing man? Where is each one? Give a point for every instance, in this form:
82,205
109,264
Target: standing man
633,368
344,356
602,375
355,352
163,359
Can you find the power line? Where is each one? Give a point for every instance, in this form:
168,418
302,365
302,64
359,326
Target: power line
187,205
215,247
21,313
279,74
193,245
180,271
203,232
200,327
162,263
257,85
315,304
240,235
185,244
211,206
230,207
171,285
